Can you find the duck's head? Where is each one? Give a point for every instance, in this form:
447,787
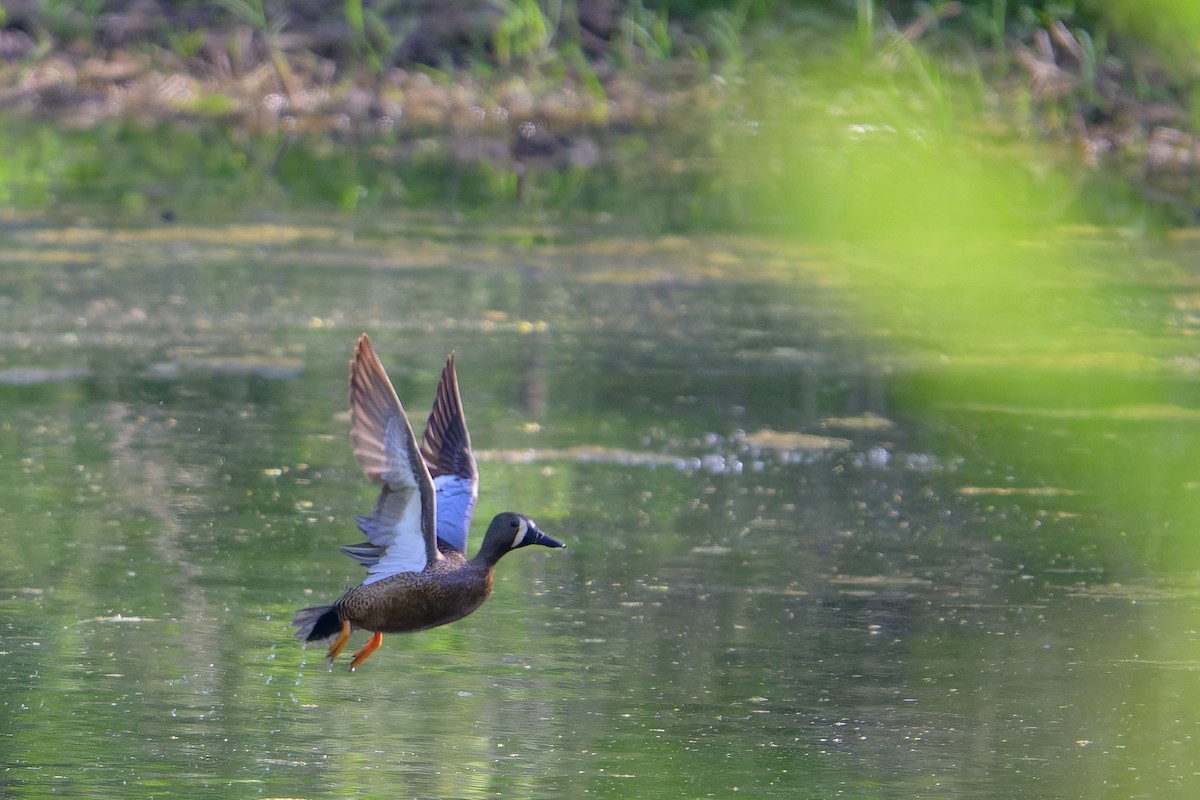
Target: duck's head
509,531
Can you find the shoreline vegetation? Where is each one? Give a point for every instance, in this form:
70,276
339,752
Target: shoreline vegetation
159,107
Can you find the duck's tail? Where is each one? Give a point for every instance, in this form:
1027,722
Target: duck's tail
316,623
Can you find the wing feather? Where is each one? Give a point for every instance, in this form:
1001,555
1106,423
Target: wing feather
446,448
401,529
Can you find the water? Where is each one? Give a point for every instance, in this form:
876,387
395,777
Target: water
794,568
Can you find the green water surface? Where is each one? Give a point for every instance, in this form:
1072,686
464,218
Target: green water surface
810,553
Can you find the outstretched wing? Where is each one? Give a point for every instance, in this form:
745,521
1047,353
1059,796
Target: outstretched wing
446,447
400,531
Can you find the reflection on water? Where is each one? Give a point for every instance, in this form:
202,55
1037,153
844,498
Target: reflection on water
785,576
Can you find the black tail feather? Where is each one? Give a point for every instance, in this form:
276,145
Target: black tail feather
316,623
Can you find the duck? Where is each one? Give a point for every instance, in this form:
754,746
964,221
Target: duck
418,574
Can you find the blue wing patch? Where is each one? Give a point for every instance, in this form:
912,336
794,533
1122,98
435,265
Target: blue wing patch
455,502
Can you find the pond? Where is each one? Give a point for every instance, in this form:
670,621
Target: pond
808,555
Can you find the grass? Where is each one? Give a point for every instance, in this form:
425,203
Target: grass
671,92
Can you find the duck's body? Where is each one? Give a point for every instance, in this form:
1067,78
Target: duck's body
444,592
418,574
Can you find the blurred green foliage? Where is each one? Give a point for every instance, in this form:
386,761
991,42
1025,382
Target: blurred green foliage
881,90
500,31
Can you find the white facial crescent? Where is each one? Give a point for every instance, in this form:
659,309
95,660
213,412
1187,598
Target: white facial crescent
522,528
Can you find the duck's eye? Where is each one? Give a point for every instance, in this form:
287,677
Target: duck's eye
515,524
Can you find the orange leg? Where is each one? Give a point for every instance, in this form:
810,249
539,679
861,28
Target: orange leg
370,647
338,643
